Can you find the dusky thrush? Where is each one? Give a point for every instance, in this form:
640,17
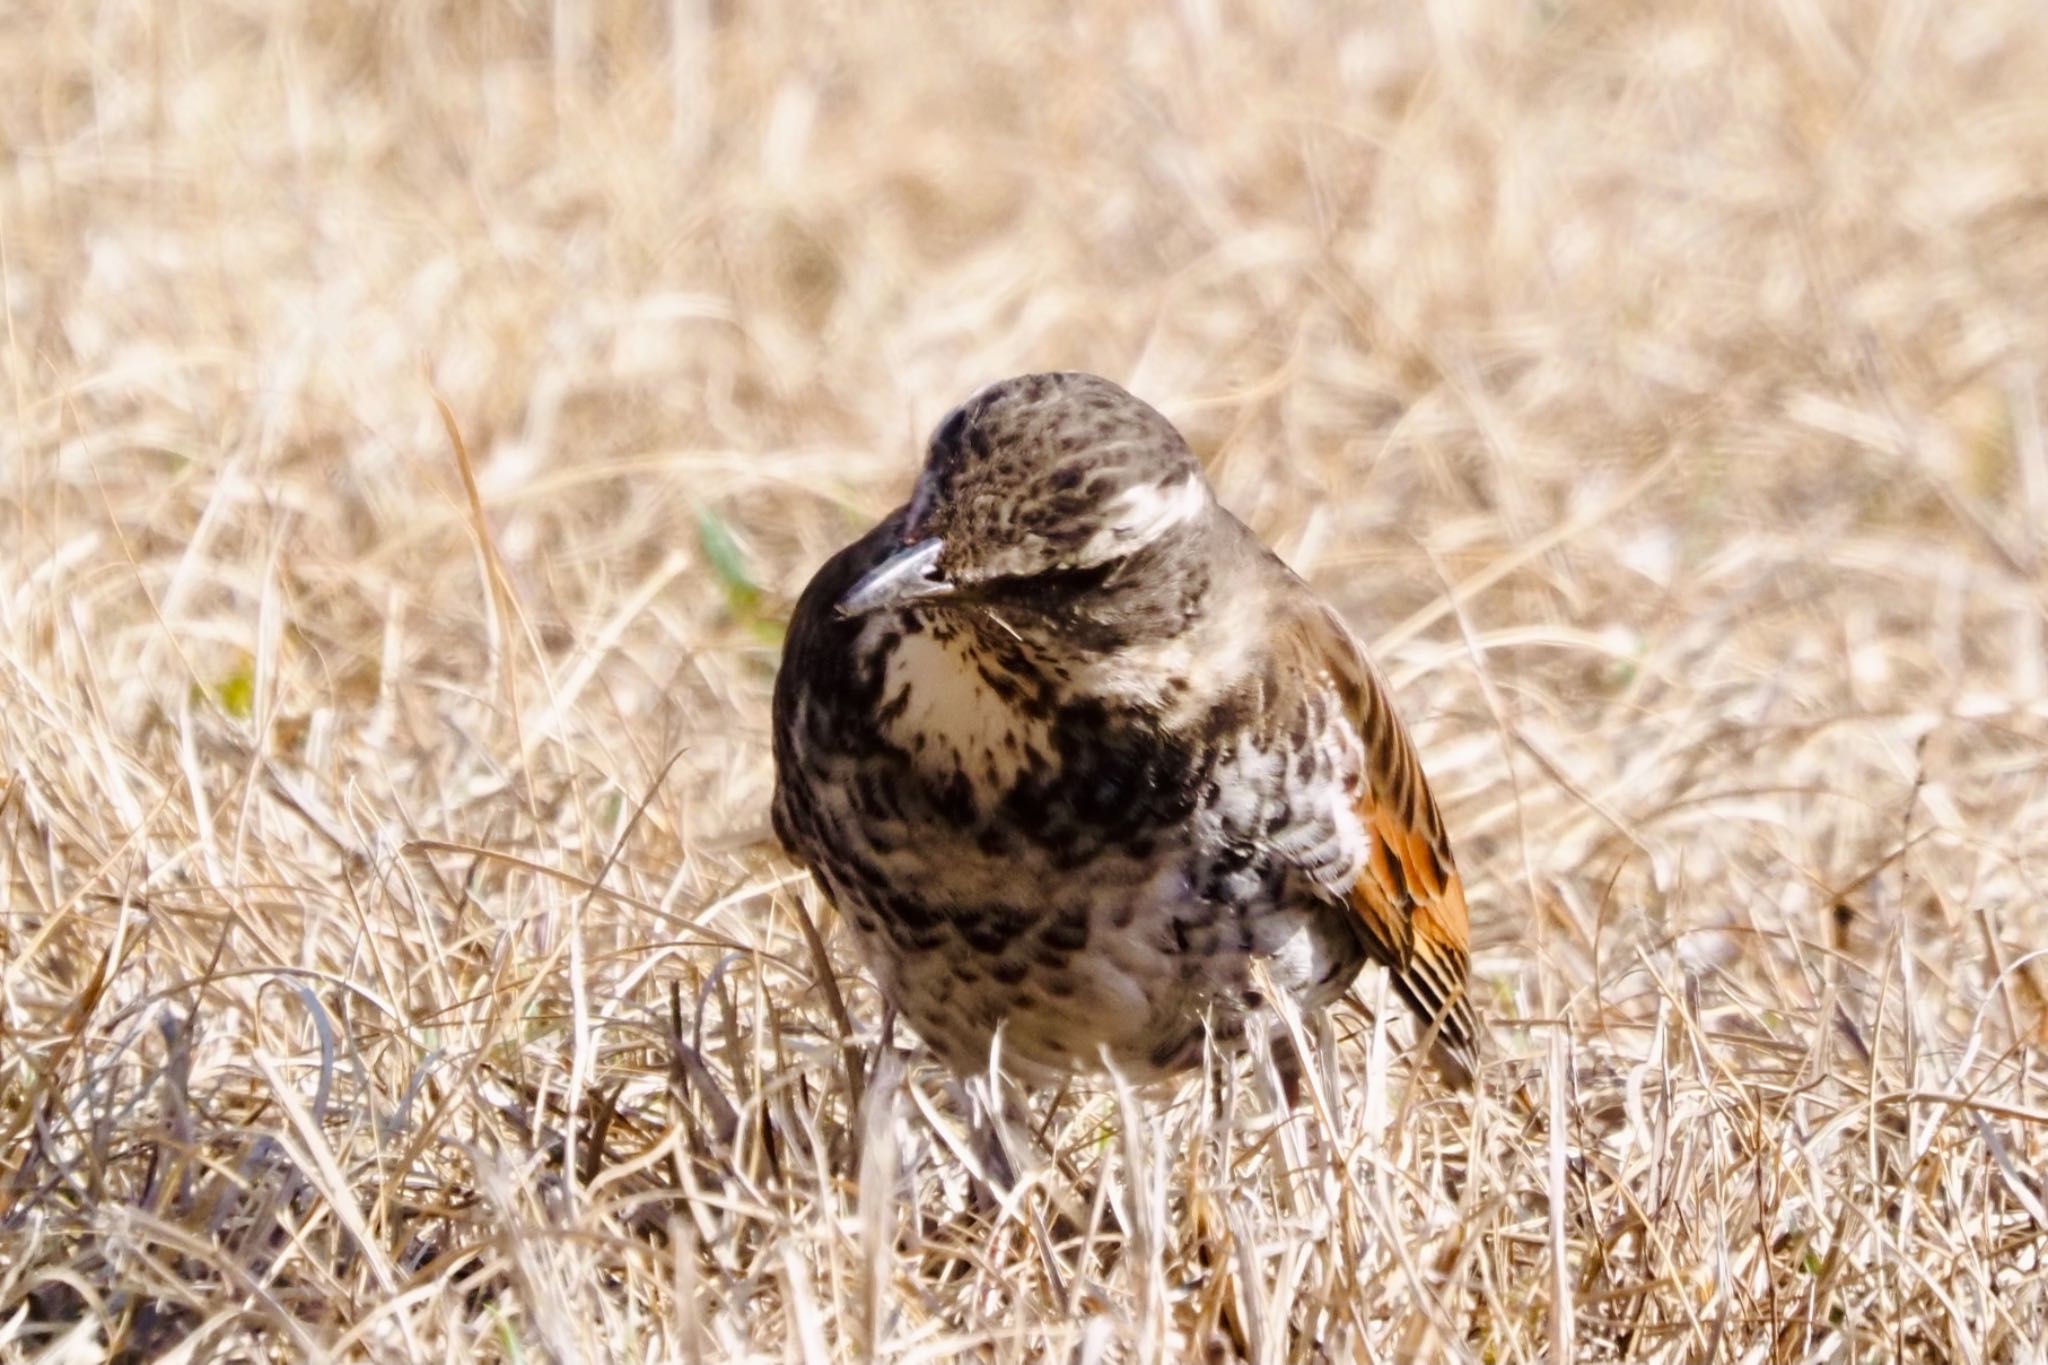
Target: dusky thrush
1076,753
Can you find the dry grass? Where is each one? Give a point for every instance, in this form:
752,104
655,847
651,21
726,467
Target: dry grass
390,966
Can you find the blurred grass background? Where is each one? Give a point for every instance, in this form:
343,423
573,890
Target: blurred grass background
389,963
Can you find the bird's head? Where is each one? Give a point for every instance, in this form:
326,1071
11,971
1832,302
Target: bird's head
1052,500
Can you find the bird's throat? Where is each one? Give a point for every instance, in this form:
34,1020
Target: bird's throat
958,702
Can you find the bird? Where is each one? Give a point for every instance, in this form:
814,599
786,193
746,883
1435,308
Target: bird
1089,769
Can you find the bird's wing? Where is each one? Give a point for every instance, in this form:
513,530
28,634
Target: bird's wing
1409,899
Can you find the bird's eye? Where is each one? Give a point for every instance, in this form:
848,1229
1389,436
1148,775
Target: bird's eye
1049,587
1074,577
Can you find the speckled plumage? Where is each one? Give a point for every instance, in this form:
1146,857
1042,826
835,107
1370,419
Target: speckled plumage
1073,751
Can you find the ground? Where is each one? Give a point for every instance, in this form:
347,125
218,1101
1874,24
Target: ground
419,420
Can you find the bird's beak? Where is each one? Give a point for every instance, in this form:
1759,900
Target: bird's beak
910,575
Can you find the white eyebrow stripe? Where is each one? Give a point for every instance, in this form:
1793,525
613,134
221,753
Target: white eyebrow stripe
1151,508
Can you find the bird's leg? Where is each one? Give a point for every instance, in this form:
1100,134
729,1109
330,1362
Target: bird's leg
1280,1051
1287,1064
1294,1051
994,1116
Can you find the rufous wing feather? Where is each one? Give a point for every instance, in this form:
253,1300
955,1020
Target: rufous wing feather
1409,899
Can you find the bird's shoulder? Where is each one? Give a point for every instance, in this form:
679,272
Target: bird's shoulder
815,623
821,679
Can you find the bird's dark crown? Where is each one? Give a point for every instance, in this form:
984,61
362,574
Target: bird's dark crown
1050,471
1034,493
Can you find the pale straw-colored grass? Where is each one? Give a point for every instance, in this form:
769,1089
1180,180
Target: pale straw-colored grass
391,962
